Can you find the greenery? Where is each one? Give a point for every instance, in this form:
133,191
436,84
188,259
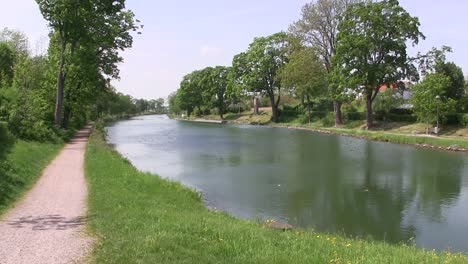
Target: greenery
371,48
339,55
141,218
426,106
318,28
20,166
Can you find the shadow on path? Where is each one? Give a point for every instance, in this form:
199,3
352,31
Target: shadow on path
48,222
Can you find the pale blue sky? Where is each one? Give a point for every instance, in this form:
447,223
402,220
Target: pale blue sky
184,35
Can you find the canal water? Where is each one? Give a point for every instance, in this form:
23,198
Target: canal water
327,183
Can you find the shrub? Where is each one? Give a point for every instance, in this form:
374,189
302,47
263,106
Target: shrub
465,120
355,116
323,104
6,140
328,120
236,108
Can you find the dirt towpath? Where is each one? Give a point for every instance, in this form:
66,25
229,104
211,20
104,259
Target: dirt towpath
48,224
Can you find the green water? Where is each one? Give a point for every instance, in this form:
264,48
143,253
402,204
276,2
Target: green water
327,183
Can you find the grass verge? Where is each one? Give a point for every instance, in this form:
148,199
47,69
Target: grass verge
21,169
388,137
398,136
140,218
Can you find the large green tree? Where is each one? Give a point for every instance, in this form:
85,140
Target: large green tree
318,28
457,88
371,48
305,75
217,88
103,26
424,99
190,94
259,67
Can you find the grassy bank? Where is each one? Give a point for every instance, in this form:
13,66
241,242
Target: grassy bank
399,133
21,168
140,218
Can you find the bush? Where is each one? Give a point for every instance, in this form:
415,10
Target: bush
456,119
235,108
465,120
355,116
323,104
328,120
265,102
6,140
401,111
396,118
6,143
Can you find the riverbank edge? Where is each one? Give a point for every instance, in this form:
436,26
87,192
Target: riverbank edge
140,217
420,141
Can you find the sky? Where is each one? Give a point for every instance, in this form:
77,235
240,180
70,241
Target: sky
180,36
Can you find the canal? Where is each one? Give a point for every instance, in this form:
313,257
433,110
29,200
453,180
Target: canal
327,183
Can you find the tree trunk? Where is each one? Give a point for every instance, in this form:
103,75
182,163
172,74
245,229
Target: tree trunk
308,107
369,115
60,85
338,115
221,111
274,110
66,117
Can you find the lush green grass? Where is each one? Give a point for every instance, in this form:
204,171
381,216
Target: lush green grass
23,165
387,136
140,218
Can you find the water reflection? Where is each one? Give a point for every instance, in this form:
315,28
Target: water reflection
328,183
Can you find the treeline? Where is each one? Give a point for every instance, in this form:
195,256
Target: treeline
340,56
47,96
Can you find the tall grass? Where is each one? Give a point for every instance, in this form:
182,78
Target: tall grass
21,167
141,218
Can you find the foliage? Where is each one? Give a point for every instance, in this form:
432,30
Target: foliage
318,28
189,95
425,102
386,101
29,107
427,62
7,61
17,41
87,38
457,88
305,75
22,165
258,69
371,48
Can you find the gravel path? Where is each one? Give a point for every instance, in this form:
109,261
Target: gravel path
48,224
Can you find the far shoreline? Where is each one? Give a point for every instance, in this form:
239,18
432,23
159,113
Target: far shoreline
418,141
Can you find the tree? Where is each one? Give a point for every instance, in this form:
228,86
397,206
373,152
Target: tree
371,48
104,25
16,40
189,95
159,105
7,62
174,107
259,67
305,74
318,28
386,101
219,81
457,88
425,102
